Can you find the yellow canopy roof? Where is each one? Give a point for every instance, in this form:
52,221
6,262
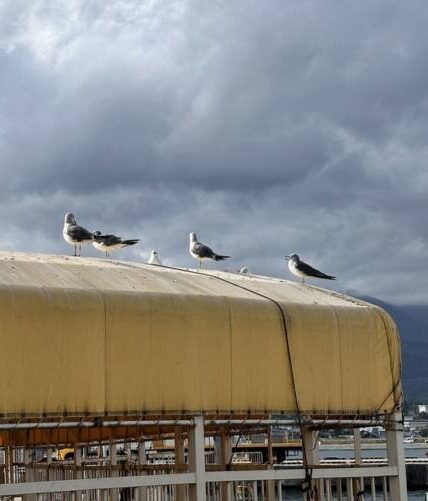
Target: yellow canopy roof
91,336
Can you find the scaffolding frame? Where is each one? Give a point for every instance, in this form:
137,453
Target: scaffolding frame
194,480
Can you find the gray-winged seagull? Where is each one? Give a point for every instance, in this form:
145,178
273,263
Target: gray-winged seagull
304,270
74,234
201,251
107,243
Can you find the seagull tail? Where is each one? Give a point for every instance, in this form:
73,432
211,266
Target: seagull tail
326,277
219,257
132,241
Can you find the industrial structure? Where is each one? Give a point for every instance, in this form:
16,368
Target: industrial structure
114,360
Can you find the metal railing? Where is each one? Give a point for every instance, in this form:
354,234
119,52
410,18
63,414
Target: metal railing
161,485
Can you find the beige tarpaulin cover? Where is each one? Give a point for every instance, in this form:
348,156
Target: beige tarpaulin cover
80,335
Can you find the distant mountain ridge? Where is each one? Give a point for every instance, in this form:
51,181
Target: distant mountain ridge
412,321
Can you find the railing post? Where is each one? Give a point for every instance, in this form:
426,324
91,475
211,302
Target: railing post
180,490
140,493
339,490
357,447
225,457
395,452
270,483
29,473
196,448
8,454
310,443
77,495
114,493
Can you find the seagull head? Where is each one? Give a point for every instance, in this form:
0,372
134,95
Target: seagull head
193,237
69,218
294,258
96,236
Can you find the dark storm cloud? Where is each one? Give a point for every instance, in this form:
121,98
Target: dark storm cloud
266,127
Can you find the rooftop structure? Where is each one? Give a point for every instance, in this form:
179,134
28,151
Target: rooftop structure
95,351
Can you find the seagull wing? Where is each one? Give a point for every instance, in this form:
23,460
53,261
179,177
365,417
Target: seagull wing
108,239
219,257
203,251
312,272
79,233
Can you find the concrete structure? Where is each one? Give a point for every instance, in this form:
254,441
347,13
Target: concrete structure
104,353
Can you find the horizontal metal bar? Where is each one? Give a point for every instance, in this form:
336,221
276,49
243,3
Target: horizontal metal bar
186,422
299,474
46,425
250,422
23,488
91,424
253,475
290,422
163,422
189,478
364,471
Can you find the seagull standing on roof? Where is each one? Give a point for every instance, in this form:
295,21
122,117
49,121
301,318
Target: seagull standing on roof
201,251
154,258
74,234
108,243
304,270
244,270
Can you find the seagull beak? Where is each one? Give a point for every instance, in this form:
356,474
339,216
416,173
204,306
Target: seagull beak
287,258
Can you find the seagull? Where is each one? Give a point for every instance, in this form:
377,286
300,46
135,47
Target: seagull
244,270
107,243
74,234
201,251
303,270
154,258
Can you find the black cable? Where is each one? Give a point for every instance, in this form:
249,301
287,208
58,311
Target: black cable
241,429
392,392
395,384
308,470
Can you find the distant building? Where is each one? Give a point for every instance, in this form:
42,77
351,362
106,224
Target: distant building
421,408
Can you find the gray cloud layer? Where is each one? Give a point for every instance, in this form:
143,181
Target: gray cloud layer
266,127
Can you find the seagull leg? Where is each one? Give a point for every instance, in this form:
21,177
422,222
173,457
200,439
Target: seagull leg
75,250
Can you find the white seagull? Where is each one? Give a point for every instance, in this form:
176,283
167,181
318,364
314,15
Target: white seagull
244,270
154,258
74,234
304,270
201,251
107,243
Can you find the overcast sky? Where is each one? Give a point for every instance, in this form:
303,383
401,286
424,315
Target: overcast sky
267,127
